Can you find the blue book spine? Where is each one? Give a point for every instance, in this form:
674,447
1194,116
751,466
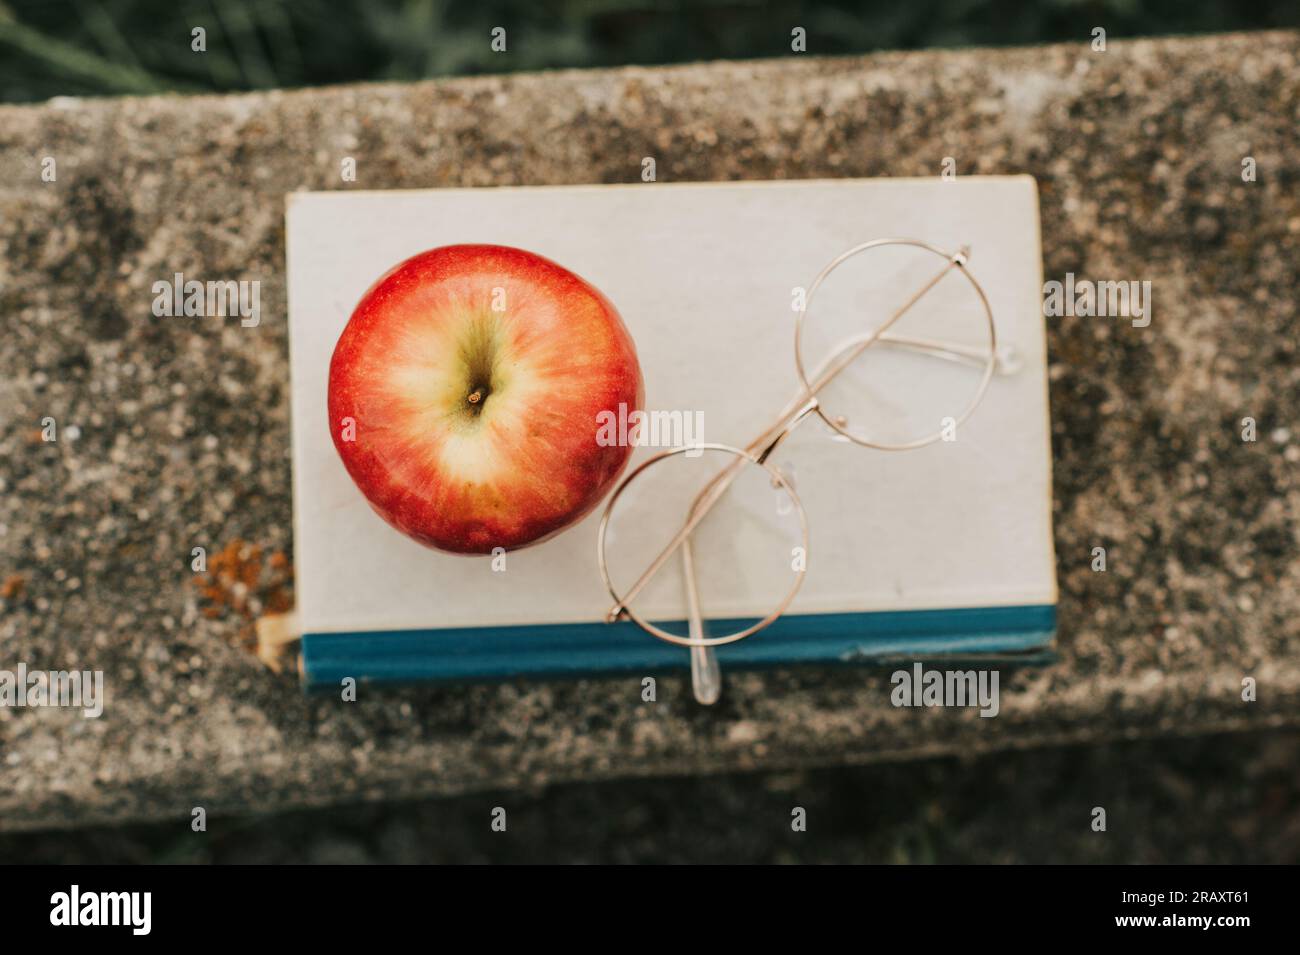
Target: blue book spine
569,651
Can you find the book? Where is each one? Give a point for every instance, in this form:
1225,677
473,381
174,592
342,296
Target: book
942,550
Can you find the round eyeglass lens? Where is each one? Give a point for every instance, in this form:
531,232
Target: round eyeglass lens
902,383
748,552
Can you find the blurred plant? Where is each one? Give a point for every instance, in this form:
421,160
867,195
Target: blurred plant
95,47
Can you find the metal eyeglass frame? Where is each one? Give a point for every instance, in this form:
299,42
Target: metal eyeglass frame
706,677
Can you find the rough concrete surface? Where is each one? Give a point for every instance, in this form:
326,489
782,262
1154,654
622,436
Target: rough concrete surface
1207,799
175,432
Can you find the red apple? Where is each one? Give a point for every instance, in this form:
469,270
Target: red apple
464,395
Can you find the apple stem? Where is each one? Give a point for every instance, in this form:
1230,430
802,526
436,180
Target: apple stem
475,396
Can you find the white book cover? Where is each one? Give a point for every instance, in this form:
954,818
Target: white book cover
702,274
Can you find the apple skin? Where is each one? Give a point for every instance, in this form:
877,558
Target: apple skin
519,462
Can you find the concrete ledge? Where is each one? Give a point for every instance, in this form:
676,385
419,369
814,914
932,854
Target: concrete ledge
183,423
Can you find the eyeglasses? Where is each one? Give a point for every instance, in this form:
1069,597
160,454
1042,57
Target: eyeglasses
747,508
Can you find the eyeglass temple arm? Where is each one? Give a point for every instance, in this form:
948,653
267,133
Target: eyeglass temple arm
706,675
762,446
1004,359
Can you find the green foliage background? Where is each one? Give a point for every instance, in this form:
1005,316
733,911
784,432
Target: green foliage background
106,47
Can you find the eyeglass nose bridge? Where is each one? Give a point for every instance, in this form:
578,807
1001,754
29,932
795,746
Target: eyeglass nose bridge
809,407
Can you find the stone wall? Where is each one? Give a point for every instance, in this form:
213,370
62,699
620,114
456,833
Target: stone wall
174,432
